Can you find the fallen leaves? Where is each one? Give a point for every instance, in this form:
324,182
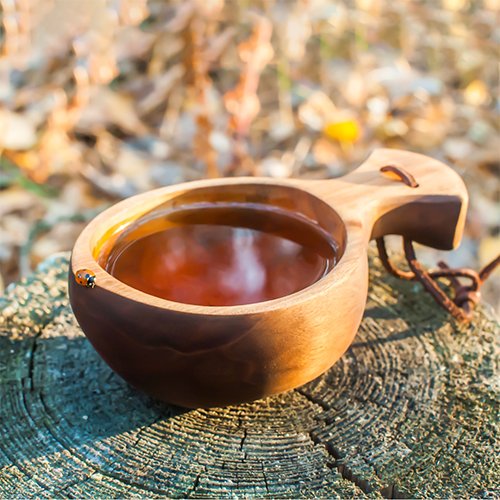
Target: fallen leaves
242,102
103,100
107,108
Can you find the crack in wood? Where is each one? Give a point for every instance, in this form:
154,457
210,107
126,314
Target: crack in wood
312,399
143,429
195,485
391,491
109,474
83,459
61,442
16,463
347,474
242,442
34,344
265,478
134,484
197,481
62,489
27,384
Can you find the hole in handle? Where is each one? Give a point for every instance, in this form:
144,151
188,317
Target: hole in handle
403,175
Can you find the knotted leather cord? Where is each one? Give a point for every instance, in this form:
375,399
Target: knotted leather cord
466,297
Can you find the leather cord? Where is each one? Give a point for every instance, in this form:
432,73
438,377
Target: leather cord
466,297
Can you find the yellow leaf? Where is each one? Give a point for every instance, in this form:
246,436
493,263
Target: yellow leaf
28,161
346,131
455,4
476,93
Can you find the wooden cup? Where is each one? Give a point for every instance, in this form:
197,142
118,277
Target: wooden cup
198,356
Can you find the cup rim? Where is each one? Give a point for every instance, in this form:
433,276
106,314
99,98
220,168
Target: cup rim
83,254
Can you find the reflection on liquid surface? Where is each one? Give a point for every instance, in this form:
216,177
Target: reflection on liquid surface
197,259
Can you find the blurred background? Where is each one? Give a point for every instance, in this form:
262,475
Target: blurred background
101,100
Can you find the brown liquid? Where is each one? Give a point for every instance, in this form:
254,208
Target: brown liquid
222,255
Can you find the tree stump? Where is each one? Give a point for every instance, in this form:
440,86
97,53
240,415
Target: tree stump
411,410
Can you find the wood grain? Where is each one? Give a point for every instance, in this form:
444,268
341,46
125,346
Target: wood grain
199,356
411,410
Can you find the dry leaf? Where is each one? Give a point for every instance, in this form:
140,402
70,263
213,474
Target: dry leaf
274,167
133,12
395,127
345,131
108,107
162,87
16,199
456,4
476,93
324,152
202,147
16,131
316,110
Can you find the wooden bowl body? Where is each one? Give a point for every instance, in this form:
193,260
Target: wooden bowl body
196,356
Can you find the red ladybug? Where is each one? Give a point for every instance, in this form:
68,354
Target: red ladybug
86,277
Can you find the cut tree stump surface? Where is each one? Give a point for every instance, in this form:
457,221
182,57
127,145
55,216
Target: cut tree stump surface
411,410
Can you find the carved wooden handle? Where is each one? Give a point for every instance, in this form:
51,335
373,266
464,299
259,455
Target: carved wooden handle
396,192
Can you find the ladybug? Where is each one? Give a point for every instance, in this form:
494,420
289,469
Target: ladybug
86,277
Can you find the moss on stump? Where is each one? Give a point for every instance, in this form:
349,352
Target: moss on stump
411,410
